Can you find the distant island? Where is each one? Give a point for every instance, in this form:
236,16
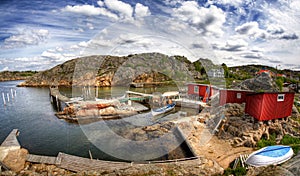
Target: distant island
16,75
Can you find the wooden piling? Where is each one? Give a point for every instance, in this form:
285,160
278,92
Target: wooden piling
3,96
7,97
12,94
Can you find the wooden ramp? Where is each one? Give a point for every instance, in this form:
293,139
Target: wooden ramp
11,140
77,164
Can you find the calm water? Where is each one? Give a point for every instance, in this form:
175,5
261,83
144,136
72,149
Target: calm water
41,132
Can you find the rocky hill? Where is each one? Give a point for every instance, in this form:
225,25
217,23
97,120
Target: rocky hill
112,70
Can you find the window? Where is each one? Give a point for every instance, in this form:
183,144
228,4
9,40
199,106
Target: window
196,89
280,97
238,95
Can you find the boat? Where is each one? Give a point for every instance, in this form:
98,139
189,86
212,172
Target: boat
162,110
270,155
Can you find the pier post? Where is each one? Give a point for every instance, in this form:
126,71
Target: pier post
90,153
57,103
3,96
96,91
7,97
12,94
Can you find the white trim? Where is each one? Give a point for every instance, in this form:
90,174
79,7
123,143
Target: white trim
280,97
239,95
196,89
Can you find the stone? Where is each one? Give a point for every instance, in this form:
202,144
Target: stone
16,159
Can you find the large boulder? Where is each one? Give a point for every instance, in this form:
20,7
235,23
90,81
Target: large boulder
16,159
263,82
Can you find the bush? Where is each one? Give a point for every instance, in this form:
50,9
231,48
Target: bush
239,171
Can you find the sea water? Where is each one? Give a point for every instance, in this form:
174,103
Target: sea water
42,133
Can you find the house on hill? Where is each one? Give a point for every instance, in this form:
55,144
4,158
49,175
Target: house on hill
269,72
269,106
215,73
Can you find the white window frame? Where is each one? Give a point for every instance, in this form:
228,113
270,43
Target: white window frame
280,97
239,95
196,89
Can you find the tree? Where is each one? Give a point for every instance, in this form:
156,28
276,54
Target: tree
226,71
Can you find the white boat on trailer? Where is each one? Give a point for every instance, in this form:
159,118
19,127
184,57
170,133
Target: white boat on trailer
270,155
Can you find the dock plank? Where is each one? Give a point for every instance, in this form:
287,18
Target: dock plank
11,140
41,159
77,164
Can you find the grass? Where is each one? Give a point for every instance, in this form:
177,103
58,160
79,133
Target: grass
267,142
289,140
239,171
294,142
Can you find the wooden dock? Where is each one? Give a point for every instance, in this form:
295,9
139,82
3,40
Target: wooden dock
138,93
79,164
41,159
11,140
11,143
57,99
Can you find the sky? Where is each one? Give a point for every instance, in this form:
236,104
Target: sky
38,34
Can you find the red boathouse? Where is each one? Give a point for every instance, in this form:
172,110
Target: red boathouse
233,96
269,106
202,91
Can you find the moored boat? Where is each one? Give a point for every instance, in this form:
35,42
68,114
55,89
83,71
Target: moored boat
163,109
270,155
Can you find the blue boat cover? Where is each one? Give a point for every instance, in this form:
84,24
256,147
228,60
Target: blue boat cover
274,151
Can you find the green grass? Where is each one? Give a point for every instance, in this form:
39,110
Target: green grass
267,142
294,142
289,140
239,171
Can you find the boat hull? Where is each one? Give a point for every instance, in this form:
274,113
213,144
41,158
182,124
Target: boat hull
163,110
270,155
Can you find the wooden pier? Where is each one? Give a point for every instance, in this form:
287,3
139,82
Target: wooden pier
57,99
11,143
79,164
11,140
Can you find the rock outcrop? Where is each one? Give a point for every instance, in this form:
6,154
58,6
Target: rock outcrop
263,82
244,130
106,71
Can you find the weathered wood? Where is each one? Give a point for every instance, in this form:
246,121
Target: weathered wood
54,91
41,159
11,140
77,164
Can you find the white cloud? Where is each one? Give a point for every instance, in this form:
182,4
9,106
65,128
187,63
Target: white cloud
233,45
273,31
26,37
124,10
141,11
251,29
4,69
100,3
90,10
208,20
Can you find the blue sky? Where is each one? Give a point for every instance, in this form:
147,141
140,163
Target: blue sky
37,35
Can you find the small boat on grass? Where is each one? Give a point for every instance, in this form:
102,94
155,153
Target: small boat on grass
162,110
270,155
